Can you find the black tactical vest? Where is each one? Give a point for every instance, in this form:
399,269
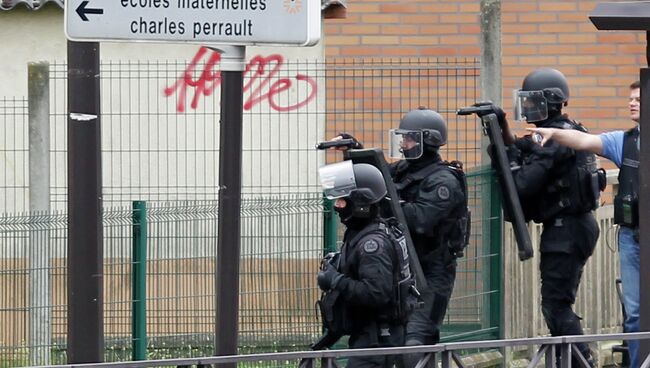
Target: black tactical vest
576,187
626,202
406,295
454,230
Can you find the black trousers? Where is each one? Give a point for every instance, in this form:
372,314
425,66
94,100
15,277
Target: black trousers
424,325
561,275
566,246
370,338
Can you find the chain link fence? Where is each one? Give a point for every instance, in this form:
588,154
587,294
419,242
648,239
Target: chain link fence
281,250
160,123
160,144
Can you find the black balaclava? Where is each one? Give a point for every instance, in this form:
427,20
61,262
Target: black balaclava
412,152
429,156
554,112
354,220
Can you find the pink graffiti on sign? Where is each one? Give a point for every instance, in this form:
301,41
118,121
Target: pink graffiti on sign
259,82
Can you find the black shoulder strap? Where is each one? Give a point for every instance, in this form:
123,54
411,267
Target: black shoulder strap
455,167
419,175
566,123
377,227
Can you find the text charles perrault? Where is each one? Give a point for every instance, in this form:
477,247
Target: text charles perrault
169,26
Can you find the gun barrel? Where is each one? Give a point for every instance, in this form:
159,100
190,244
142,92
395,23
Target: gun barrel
335,144
473,110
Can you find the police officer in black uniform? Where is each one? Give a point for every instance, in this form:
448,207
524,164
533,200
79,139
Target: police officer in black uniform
558,187
364,278
433,194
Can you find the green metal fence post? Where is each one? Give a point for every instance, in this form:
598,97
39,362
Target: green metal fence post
139,281
496,262
329,226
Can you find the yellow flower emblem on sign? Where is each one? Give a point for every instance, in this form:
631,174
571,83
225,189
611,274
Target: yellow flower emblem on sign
293,6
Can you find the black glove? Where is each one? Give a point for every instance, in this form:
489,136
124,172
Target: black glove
328,278
513,154
526,144
494,109
357,144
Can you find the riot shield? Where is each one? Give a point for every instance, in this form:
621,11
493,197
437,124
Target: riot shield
500,162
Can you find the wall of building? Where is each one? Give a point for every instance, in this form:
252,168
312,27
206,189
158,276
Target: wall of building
160,123
599,65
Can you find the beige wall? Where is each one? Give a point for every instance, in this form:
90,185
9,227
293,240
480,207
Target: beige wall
180,298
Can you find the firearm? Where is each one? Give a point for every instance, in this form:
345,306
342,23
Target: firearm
483,107
327,305
511,203
340,143
325,341
331,258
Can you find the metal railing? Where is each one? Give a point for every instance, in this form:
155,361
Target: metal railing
282,243
547,348
281,250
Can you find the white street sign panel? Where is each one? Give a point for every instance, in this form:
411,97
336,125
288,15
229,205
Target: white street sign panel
232,22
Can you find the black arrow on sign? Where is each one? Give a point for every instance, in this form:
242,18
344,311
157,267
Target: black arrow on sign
82,10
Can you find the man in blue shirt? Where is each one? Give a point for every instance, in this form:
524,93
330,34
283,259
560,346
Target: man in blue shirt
622,148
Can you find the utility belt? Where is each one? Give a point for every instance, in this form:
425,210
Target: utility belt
564,220
549,214
556,222
572,197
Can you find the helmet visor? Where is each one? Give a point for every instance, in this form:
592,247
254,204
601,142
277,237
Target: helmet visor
404,143
530,106
337,179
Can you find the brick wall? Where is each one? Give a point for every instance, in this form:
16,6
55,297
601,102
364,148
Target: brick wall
599,65
379,28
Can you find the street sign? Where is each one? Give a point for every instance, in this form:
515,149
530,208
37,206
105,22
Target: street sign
232,22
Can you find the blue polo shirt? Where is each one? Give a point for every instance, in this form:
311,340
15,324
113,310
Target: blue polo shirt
613,146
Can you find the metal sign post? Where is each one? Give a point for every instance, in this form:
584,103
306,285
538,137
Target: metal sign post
85,234
232,23
229,211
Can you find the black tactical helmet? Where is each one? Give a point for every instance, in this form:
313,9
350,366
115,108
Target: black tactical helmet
551,81
371,187
429,122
